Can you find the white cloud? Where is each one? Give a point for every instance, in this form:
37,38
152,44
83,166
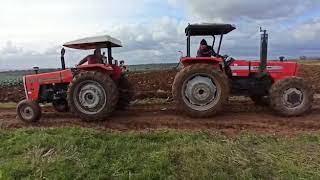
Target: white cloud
234,9
32,31
10,49
309,31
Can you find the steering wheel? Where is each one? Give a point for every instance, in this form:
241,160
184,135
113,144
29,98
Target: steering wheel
228,60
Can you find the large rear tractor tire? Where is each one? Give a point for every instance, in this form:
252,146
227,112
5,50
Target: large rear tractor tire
29,111
291,97
92,96
61,105
200,91
126,93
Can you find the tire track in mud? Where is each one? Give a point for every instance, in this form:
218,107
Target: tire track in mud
237,117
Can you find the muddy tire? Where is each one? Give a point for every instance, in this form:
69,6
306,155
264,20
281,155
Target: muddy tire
291,97
200,90
61,105
92,96
126,93
261,100
29,111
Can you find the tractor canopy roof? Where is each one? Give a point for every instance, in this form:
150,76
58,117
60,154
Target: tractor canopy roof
104,41
209,29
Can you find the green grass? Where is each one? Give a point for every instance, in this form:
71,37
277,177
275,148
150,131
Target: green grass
309,62
10,80
10,105
73,153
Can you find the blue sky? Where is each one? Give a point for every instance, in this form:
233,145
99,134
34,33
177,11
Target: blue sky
152,31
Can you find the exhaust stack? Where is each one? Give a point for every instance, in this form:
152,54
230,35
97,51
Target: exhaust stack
263,51
63,64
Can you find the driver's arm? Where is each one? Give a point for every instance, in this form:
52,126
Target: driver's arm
83,61
212,52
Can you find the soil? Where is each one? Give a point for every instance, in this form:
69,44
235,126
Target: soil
157,84
239,116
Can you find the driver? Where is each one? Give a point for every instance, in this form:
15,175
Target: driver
95,58
205,50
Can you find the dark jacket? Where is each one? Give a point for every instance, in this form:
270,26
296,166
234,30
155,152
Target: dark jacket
206,52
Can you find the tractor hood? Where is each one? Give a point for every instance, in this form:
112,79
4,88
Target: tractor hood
94,42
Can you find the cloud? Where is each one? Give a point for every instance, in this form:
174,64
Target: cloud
158,41
10,48
154,42
152,37
229,10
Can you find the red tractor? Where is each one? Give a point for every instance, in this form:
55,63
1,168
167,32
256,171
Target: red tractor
202,87
91,91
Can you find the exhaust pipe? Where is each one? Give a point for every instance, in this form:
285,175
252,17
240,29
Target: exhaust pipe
63,64
263,51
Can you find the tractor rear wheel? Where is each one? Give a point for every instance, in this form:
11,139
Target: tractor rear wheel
60,105
92,96
126,93
29,111
200,91
291,97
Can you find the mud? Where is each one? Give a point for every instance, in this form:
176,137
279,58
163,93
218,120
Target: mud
239,116
157,84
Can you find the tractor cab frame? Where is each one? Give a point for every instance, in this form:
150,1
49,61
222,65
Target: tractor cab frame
207,30
214,30
100,42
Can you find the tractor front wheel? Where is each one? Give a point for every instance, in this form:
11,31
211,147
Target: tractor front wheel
200,91
29,111
92,96
291,97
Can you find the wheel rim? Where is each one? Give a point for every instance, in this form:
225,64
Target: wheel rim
90,97
293,98
201,92
26,112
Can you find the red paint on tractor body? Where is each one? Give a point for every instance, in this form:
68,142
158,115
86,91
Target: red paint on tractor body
244,68
33,82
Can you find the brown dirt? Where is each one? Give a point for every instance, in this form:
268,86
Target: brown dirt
12,94
311,73
158,84
239,116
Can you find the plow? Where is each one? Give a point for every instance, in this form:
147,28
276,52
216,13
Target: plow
200,89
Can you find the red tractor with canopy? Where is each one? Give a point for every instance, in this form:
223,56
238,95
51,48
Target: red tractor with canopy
202,87
92,91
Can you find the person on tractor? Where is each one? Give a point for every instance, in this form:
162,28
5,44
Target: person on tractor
205,50
95,58
123,67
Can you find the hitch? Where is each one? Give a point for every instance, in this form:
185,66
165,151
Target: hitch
263,50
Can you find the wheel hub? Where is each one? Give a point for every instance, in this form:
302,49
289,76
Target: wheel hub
27,112
293,97
91,97
200,91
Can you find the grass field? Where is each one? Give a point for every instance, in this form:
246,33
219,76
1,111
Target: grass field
73,153
8,105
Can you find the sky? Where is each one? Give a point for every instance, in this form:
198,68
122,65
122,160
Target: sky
152,31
